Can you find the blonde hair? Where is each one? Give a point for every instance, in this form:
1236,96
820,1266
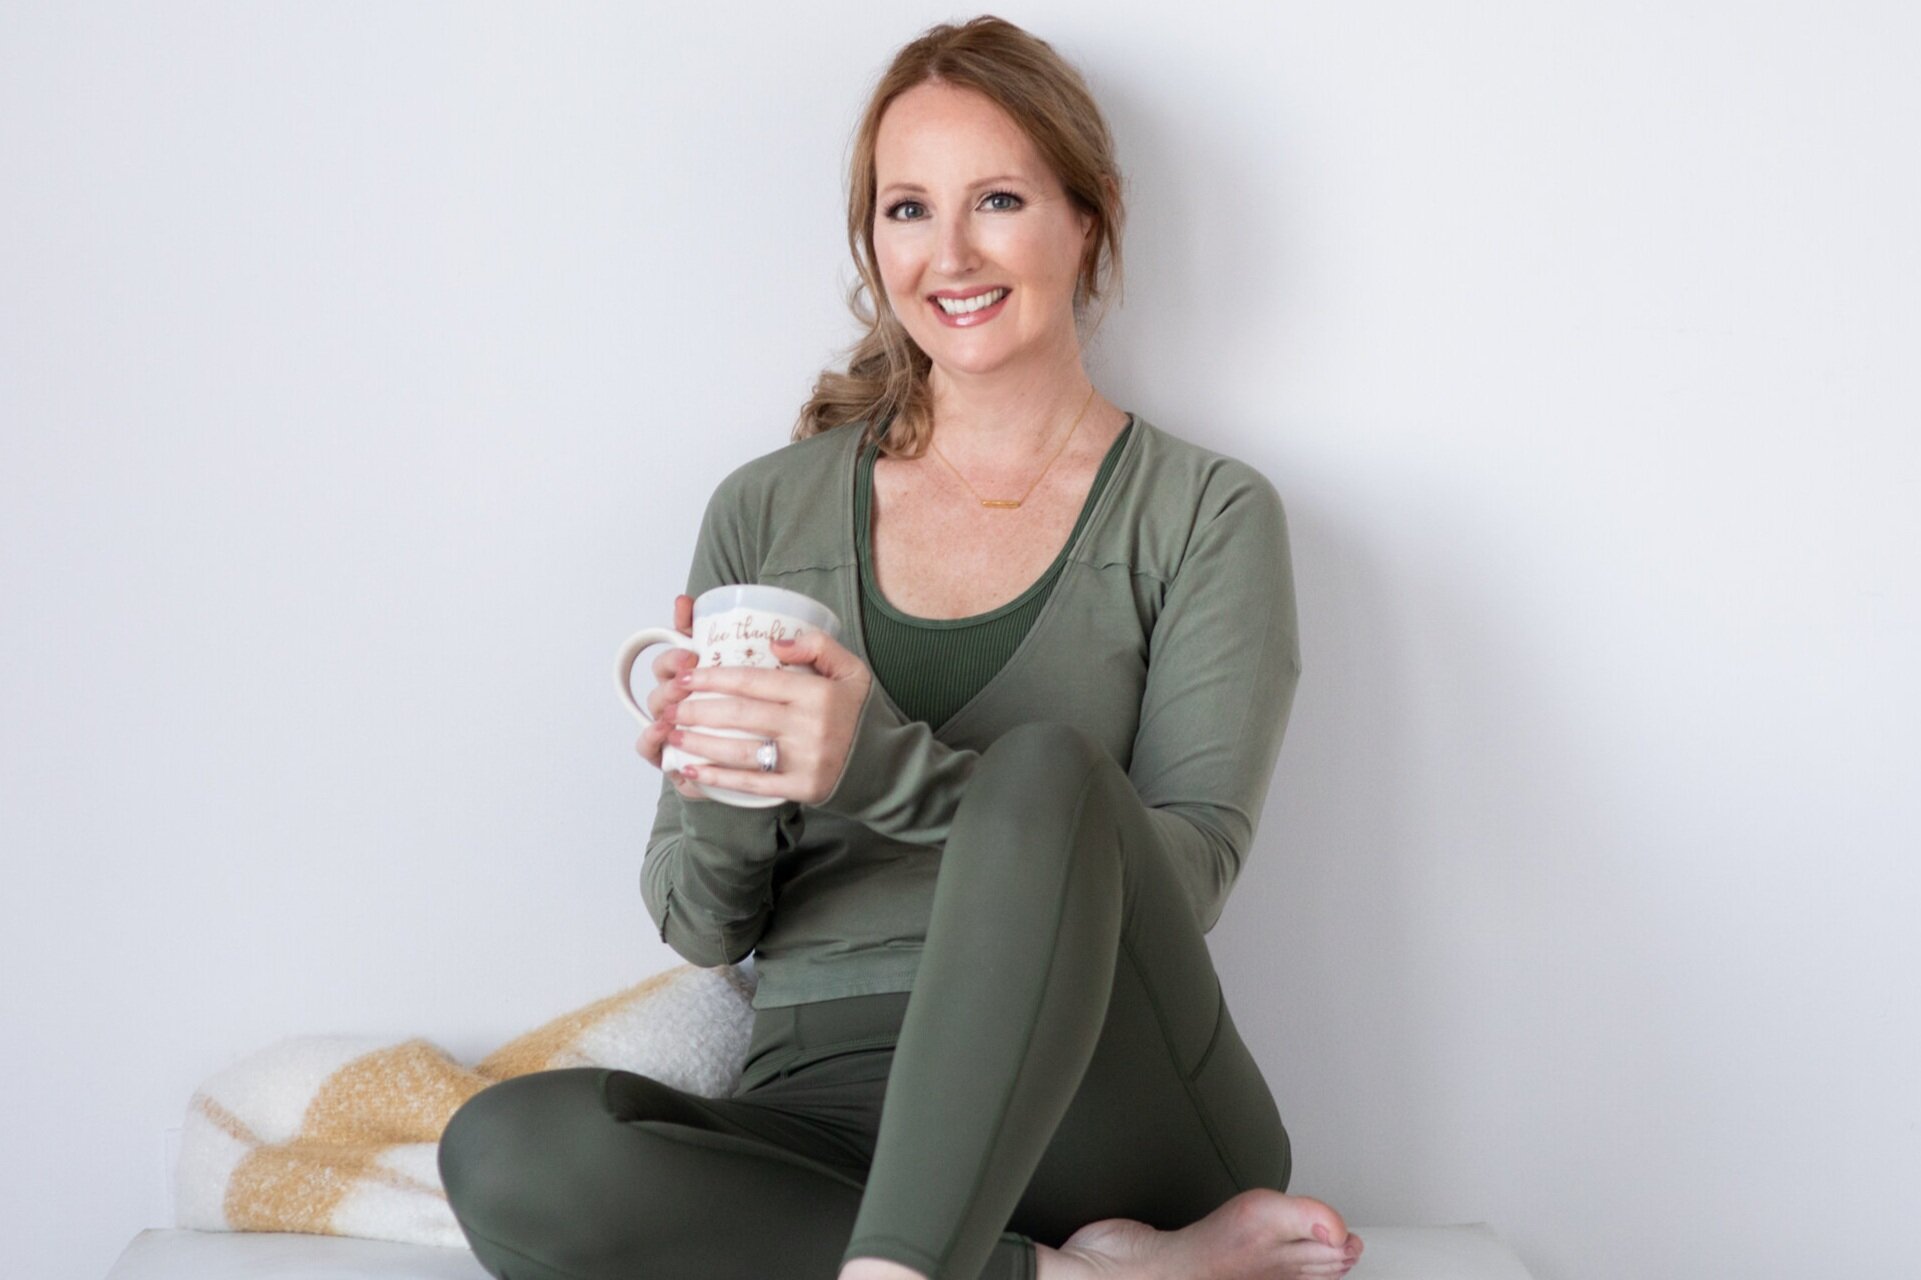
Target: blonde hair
885,382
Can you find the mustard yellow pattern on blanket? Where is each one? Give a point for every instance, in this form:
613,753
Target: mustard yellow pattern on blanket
338,1135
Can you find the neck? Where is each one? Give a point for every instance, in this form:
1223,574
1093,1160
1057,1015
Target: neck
1008,419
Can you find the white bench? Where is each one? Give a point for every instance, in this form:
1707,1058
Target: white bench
1467,1252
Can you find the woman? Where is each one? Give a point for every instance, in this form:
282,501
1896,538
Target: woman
1099,618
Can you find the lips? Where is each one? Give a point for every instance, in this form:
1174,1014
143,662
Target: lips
968,319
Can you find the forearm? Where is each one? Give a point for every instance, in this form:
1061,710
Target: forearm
707,878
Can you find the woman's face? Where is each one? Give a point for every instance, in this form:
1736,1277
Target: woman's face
965,207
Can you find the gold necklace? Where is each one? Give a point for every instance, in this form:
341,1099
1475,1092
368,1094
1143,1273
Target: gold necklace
1008,503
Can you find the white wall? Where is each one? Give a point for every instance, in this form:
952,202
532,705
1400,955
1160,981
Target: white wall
363,369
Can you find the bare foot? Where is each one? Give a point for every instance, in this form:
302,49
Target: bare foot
1257,1235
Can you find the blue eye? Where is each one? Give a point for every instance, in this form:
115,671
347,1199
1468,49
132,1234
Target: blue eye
893,210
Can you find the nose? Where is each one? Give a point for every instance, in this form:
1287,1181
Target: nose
955,256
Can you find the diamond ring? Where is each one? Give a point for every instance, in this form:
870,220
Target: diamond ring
767,755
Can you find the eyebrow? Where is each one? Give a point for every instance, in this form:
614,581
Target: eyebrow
982,182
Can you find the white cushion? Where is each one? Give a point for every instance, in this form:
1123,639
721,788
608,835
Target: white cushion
184,1254
1468,1252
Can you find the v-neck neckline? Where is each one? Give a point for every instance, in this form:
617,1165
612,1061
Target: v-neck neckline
850,592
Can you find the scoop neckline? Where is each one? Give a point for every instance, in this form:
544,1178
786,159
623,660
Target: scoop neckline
1036,631
864,552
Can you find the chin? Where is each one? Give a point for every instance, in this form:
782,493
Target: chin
960,349
975,362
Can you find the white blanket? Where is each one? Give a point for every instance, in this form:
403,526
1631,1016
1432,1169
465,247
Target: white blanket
338,1135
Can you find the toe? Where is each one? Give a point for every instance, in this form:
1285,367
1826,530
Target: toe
1290,1217
1322,1221
1310,1261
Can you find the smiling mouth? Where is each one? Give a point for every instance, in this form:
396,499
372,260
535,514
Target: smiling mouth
974,310
965,308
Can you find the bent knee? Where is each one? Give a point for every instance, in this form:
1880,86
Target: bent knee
495,1137
1029,792
1050,755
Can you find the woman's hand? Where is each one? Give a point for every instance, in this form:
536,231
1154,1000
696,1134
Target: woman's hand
664,698
810,715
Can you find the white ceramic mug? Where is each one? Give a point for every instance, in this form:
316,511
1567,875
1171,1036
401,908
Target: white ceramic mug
734,626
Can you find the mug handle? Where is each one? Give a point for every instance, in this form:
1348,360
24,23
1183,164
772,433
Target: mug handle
624,664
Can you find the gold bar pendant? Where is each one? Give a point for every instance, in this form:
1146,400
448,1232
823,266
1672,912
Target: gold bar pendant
1000,502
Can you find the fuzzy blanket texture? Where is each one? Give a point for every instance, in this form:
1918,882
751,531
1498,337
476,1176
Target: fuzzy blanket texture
339,1135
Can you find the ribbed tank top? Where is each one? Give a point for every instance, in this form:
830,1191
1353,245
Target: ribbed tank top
932,667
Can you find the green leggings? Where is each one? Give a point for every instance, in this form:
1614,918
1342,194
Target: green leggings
1066,1056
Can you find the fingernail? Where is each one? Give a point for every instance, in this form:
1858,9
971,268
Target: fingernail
686,677
1321,1233
690,772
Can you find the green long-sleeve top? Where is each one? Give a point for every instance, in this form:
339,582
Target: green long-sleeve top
1169,636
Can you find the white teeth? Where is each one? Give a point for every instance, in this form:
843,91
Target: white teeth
961,306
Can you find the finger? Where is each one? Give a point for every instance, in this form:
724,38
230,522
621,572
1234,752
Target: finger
757,716
769,684
816,649
752,781
661,701
664,699
722,751
671,663
728,752
652,740
684,614
801,650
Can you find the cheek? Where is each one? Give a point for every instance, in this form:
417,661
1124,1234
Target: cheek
1066,254
1043,259
898,264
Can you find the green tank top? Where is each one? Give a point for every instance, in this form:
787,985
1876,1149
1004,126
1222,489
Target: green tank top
932,667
